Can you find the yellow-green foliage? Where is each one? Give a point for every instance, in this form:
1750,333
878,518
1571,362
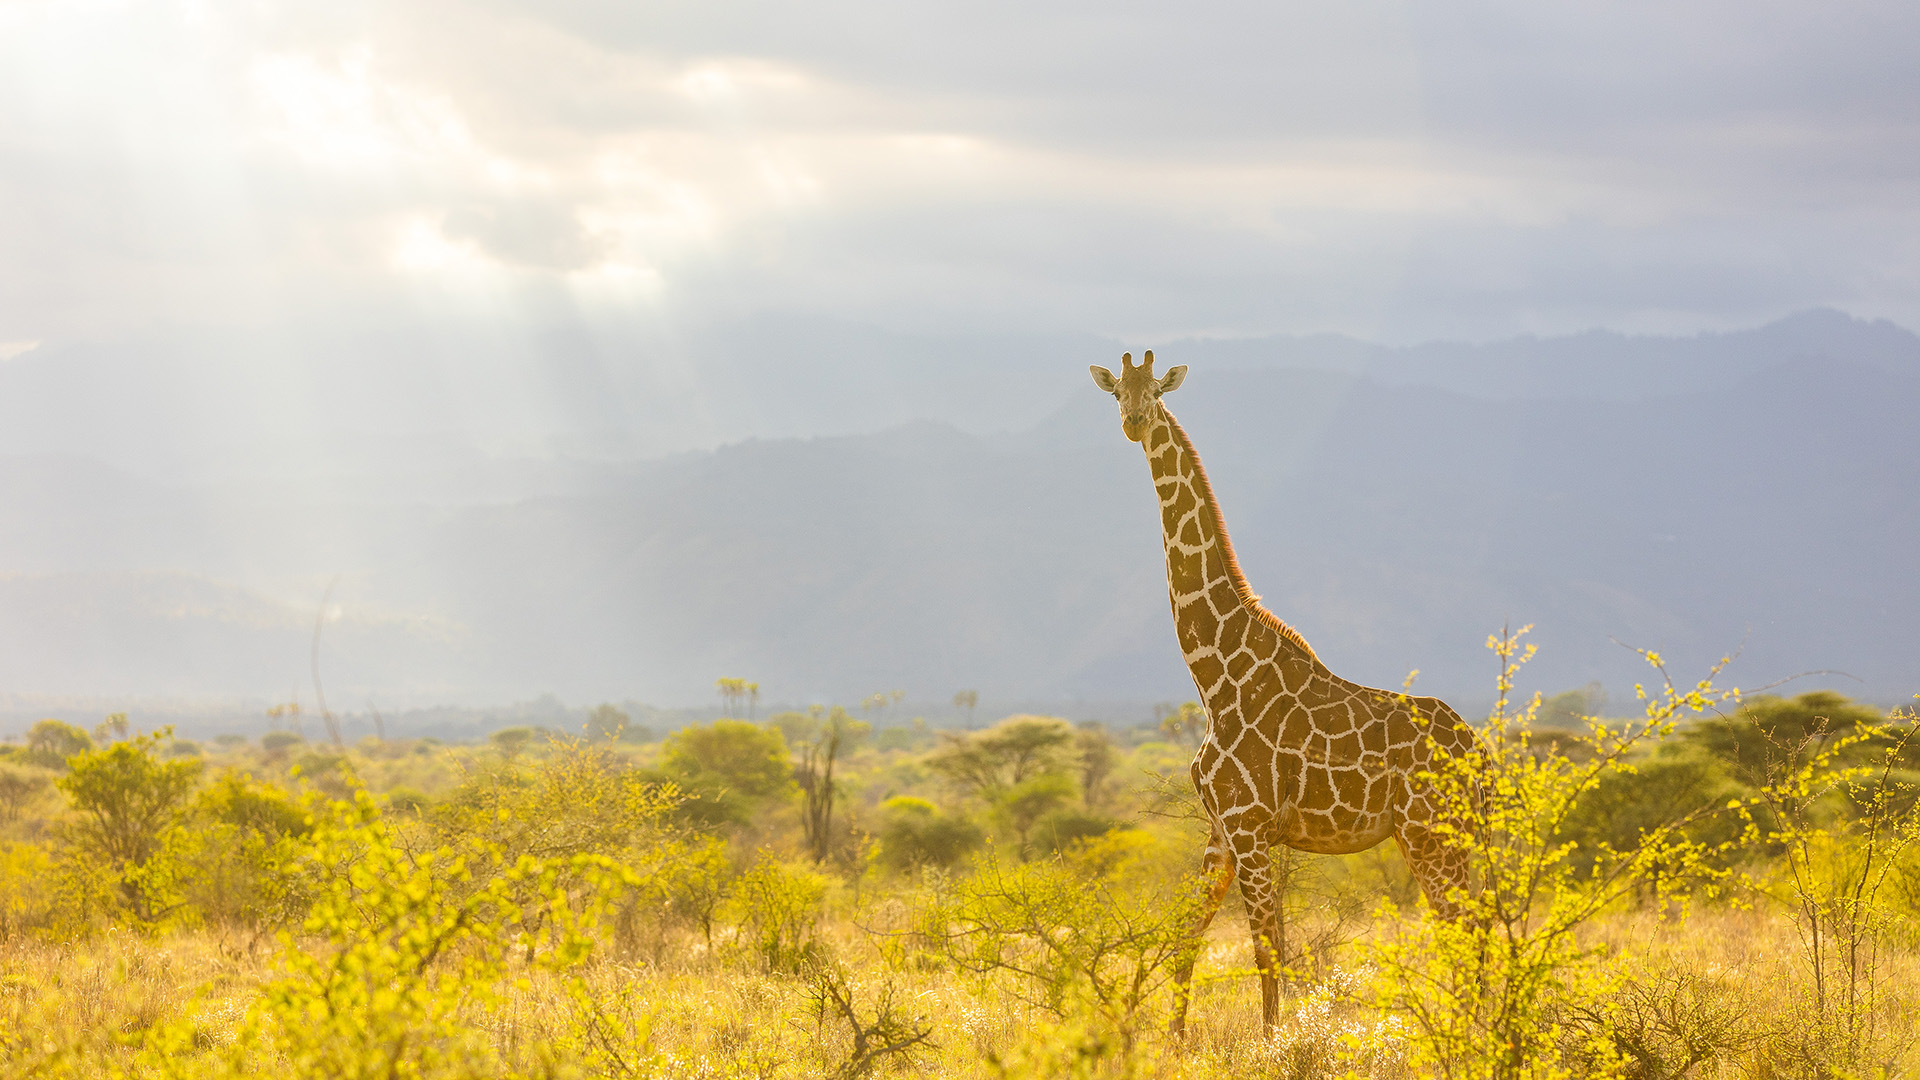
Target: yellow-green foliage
1514,987
1651,900
729,770
26,889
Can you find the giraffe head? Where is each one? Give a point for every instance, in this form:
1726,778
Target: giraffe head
1138,391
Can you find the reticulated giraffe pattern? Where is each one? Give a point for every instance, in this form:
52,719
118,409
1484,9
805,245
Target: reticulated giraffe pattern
1293,754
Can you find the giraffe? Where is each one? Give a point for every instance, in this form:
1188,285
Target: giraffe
1293,754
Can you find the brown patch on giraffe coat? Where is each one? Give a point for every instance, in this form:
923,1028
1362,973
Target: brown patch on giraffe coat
1233,630
1259,691
1345,749
1262,642
1238,665
1378,789
1172,523
1295,726
1351,787
1373,738
1315,695
1318,790
1220,593
1183,572
1196,625
1207,671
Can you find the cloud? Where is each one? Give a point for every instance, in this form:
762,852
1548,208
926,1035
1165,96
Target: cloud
1398,172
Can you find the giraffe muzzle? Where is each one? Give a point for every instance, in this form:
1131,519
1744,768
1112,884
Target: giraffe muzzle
1134,427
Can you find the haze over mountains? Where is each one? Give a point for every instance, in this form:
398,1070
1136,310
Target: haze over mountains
969,518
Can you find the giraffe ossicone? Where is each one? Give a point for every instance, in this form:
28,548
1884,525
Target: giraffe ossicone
1293,755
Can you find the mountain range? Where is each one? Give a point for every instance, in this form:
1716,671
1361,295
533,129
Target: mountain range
1755,492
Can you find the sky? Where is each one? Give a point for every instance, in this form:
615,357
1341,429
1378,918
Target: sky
642,172
246,241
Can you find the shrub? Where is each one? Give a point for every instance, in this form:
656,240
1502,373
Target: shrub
396,951
1753,741
127,800
278,742
1835,805
1062,829
26,890
234,865
1073,931
20,787
578,800
1622,805
511,741
1509,989
913,834
778,908
821,737
406,800
608,723
728,770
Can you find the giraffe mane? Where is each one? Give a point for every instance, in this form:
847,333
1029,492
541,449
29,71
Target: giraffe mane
1248,598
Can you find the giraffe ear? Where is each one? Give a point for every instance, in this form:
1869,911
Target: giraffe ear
1103,379
1172,380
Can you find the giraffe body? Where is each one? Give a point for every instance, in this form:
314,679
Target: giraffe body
1293,755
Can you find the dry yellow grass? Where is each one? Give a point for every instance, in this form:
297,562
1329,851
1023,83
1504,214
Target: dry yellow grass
1736,976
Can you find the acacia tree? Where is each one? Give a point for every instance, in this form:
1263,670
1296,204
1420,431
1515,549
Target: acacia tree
1095,756
819,737
51,742
1004,756
1019,767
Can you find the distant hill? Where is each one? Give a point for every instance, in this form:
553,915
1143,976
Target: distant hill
1396,506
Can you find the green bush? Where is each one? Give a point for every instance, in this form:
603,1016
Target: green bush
274,742
913,835
127,799
778,909
1080,933
1640,798
51,742
20,787
399,957
1765,729
728,770
26,890
1062,829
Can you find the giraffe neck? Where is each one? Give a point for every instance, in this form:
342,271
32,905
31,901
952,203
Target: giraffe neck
1204,582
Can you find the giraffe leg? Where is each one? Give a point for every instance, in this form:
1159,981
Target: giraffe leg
1254,868
1439,868
1217,868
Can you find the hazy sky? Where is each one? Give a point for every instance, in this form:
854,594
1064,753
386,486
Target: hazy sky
642,170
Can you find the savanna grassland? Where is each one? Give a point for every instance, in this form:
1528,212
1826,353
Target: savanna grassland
1714,887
